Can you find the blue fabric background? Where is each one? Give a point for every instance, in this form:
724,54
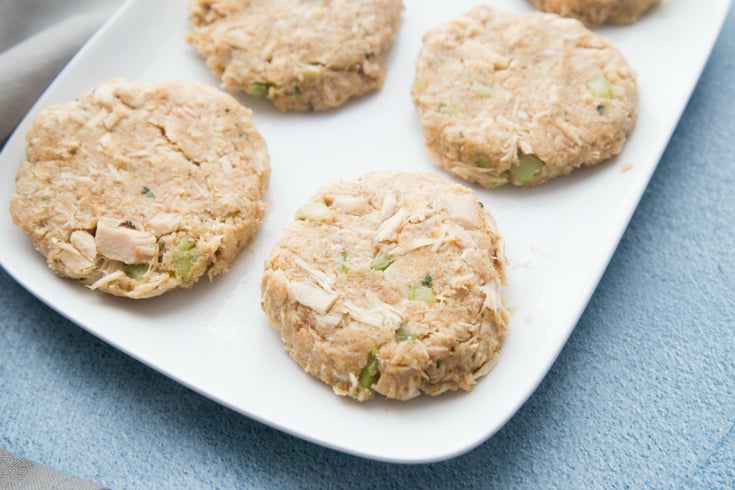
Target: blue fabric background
642,396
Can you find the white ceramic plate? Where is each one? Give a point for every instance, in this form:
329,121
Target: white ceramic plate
214,338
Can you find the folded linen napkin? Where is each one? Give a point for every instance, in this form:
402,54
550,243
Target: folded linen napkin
37,38
22,474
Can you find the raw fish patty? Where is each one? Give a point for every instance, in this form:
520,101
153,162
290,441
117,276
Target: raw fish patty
390,284
137,188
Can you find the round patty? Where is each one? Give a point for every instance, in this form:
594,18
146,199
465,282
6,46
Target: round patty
390,283
596,12
300,54
521,98
136,188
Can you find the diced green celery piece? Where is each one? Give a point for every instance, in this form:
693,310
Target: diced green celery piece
381,261
481,89
345,261
526,168
481,160
370,372
135,271
147,192
498,180
258,89
600,86
449,109
316,211
184,255
312,68
419,85
421,293
404,334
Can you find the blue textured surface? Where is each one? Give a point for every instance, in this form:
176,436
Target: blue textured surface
642,396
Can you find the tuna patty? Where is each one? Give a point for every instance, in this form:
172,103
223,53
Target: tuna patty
137,188
390,283
301,55
596,12
521,98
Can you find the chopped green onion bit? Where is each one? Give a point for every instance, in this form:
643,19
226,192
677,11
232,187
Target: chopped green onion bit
427,280
381,261
526,168
370,373
147,192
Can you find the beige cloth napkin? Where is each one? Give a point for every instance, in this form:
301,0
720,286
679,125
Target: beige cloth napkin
18,473
37,38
